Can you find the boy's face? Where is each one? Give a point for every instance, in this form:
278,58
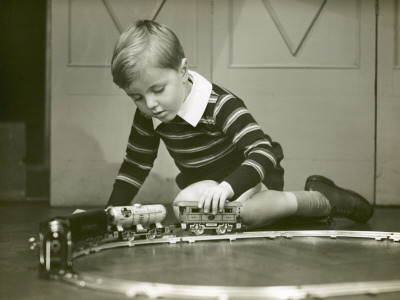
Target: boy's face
159,93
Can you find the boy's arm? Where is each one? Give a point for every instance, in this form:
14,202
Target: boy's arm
239,125
140,155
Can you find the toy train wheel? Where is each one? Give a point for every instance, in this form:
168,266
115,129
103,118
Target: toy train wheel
221,229
130,236
126,235
159,232
198,230
151,234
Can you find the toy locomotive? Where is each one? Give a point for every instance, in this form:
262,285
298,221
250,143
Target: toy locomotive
59,237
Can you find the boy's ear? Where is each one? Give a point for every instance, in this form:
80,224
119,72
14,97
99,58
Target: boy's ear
184,70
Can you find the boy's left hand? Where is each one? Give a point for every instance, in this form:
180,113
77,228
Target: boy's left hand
213,198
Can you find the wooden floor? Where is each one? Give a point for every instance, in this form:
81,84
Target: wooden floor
259,262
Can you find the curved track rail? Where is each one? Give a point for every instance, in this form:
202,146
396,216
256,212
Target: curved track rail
173,291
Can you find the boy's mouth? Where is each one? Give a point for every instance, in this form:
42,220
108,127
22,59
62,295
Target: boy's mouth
159,114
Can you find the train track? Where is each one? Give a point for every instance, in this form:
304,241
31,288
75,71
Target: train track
173,291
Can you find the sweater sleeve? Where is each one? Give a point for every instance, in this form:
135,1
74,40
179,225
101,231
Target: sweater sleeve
239,125
140,155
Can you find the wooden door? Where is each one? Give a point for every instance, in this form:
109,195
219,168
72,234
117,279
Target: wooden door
306,71
388,104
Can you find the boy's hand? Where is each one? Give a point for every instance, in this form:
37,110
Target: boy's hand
213,198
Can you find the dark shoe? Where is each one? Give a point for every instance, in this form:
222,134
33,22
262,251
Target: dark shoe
344,203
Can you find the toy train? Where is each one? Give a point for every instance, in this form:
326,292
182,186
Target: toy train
60,236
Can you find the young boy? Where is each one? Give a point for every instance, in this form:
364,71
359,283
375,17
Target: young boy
220,150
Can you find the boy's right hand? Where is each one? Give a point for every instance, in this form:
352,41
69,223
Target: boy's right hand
213,198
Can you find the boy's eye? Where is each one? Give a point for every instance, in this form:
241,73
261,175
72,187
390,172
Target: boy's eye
158,90
136,98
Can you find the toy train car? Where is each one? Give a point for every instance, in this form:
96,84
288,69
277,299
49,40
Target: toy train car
138,220
196,221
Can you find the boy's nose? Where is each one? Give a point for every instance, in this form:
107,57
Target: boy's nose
151,102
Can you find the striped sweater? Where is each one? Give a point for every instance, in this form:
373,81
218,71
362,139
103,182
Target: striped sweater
227,144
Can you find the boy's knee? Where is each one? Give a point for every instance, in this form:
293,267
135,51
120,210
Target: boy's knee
186,195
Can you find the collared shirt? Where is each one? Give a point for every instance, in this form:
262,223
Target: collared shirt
196,102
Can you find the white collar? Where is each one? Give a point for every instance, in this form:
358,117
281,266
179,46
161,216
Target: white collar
195,104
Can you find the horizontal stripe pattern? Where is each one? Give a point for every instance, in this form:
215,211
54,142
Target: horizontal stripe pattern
205,160
129,180
140,165
199,148
258,167
140,149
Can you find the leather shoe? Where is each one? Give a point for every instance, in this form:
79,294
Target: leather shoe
344,203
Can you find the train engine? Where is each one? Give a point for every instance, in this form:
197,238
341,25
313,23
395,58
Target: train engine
59,236
196,221
138,220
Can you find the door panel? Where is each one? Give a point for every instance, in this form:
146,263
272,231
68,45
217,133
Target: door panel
306,71
388,106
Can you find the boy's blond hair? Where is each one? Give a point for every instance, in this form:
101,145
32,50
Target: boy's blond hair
145,43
